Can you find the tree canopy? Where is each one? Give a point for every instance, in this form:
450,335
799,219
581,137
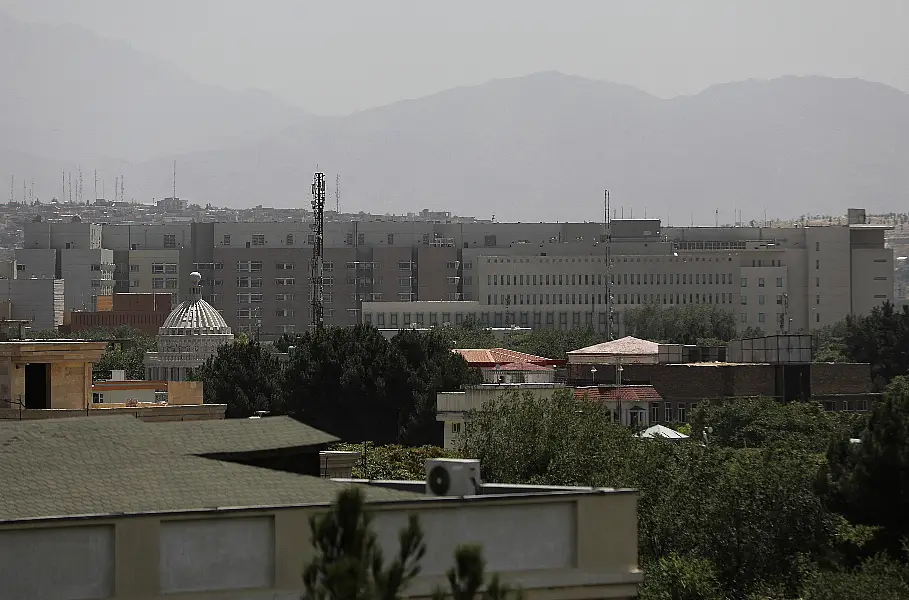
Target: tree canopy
685,324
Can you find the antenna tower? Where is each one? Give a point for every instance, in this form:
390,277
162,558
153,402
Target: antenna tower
318,227
122,194
12,184
96,184
70,188
338,194
79,188
175,181
609,296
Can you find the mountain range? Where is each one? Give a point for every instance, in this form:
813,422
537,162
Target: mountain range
538,147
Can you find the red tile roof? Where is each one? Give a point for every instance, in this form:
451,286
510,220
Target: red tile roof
524,366
490,357
624,393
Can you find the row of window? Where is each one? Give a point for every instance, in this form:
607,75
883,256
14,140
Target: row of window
614,279
496,319
761,282
247,313
600,299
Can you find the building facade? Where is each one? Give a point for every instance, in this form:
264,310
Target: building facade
536,275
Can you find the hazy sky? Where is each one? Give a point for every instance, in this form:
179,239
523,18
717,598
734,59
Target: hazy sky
334,57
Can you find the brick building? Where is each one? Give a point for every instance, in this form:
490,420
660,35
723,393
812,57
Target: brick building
145,312
681,385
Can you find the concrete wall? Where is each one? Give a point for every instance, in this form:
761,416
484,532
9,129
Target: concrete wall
71,384
184,393
579,545
146,413
37,300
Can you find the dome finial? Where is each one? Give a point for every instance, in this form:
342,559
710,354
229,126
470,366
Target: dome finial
195,278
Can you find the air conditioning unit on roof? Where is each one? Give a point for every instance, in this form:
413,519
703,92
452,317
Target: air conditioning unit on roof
452,477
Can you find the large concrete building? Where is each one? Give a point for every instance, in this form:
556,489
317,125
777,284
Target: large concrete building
526,274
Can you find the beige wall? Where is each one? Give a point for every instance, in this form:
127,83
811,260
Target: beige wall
71,384
592,554
184,392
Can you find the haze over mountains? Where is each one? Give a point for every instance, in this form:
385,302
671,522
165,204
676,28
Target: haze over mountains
531,148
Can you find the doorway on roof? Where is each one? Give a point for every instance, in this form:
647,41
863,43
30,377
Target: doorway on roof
37,385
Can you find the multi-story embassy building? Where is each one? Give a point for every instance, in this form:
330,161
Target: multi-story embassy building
534,274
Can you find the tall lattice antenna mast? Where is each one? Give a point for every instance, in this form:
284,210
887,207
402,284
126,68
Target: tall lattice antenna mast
175,181
610,310
338,194
318,228
122,192
12,185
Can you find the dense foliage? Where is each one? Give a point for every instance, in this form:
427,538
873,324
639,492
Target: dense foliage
393,462
348,381
685,324
760,512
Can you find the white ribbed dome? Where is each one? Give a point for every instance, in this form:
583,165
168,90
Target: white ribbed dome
194,316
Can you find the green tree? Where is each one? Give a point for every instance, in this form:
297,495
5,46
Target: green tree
765,422
349,381
431,367
349,563
553,343
675,577
869,482
878,578
880,338
467,578
393,462
244,375
685,324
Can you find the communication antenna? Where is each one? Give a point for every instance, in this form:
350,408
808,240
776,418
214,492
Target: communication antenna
70,187
338,194
175,181
31,191
609,296
96,184
12,184
79,188
24,192
122,194
318,210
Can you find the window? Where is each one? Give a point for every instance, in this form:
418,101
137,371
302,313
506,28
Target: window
760,282
97,397
404,265
258,239
654,412
170,240
744,282
158,283
226,240
817,246
744,300
285,281
779,282
391,239
456,428
284,266
393,318
289,239
761,318
171,283
761,299
285,312
157,268
779,298
682,413
249,266
132,268
404,282
817,264
289,297
452,264
667,412
817,282
817,317
744,317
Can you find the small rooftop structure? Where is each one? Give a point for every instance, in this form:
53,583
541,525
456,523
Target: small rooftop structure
626,350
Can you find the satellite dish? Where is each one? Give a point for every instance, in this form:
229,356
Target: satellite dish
439,480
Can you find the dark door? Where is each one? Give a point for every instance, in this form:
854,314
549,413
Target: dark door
37,385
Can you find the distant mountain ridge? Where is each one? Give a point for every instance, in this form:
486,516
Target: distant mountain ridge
66,93
538,147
